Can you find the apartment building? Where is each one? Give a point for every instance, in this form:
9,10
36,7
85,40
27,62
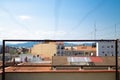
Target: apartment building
60,49
88,50
80,51
107,48
46,49
49,49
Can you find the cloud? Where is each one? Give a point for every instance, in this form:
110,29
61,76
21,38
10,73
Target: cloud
20,33
23,17
49,33
1,29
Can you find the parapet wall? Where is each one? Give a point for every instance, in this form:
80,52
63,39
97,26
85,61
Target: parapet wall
110,75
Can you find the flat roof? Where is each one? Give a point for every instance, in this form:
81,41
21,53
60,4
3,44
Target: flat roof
62,60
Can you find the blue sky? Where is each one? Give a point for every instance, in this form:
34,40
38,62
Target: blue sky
59,19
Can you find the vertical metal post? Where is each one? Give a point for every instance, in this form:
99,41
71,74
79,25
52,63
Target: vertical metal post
115,32
3,63
116,59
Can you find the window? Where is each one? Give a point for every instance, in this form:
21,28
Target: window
102,46
112,55
105,54
111,52
75,54
58,52
58,47
62,47
108,46
111,46
62,52
80,53
86,53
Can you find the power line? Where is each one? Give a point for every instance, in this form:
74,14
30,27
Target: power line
93,33
57,8
106,28
87,14
13,18
105,35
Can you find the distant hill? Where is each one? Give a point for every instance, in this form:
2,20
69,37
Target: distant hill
30,44
26,45
87,44
70,44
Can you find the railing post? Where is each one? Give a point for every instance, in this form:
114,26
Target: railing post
81,68
54,68
109,68
116,59
3,63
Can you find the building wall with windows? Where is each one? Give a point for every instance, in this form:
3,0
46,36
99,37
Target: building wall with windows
44,49
80,51
73,53
107,48
70,47
48,49
119,48
60,49
88,50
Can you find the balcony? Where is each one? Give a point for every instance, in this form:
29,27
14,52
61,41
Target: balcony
60,68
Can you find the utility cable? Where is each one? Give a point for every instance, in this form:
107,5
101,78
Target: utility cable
87,14
13,18
57,9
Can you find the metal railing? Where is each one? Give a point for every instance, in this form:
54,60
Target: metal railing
54,66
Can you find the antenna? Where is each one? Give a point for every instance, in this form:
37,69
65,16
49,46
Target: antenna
115,32
95,31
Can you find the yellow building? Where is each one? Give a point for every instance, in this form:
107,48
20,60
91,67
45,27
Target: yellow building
44,50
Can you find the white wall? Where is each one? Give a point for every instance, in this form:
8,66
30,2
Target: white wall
107,48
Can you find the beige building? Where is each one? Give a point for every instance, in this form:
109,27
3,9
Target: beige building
44,50
87,50
80,51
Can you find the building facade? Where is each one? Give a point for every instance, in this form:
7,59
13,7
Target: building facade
107,48
47,49
80,51
60,49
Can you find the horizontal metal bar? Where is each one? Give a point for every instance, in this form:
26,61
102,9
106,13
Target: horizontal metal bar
64,66
83,65
32,66
61,40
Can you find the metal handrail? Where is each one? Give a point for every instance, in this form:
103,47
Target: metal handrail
116,49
